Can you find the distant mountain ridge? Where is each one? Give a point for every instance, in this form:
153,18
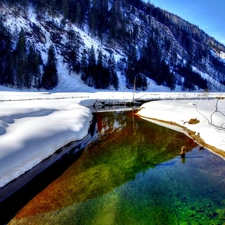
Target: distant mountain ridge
104,44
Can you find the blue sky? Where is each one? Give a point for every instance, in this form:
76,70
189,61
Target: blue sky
208,15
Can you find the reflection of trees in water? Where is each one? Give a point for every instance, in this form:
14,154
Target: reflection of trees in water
110,121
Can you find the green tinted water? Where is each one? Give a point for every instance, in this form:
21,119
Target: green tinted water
134,175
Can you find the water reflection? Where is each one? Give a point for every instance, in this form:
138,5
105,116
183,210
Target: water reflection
133,175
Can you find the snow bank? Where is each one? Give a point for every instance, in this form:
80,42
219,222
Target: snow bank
30,131
210,115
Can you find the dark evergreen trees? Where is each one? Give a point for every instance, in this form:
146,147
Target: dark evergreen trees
91,58
72,51
9,78
131,71
191,78
50,76
134,78
21,60
33,68
100,73
84,62
111,67
150,51
66,9
18,68
6,71
115,21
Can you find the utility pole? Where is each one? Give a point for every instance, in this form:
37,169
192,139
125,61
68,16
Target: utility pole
134,89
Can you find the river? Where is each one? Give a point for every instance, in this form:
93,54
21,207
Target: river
131,174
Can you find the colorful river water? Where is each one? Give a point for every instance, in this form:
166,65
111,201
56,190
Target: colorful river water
133,175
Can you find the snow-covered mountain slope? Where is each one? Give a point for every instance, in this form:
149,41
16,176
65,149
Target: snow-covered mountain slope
43,30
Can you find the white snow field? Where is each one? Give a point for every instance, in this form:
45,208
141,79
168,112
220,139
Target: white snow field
33,125
210,115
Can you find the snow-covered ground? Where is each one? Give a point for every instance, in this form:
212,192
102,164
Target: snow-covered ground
209,131
33,125
30,131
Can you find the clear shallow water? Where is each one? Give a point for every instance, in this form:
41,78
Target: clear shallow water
133,175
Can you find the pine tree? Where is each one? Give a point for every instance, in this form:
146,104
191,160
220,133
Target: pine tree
92,22
50,76
100,59
86,5
101,76
141,82
91,70
5,48
115,20
84,62
53,7
131,67
112,72
130,74
72,51
78,14
21,60
24,4
91,58
9,71
84,65
66,9
33,69
40,6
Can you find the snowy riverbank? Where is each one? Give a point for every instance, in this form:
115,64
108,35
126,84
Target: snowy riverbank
32,131
33,125
203,120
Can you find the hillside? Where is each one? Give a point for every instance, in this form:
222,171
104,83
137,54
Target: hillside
105,44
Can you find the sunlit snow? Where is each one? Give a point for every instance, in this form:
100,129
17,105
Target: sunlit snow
210,113
35,127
